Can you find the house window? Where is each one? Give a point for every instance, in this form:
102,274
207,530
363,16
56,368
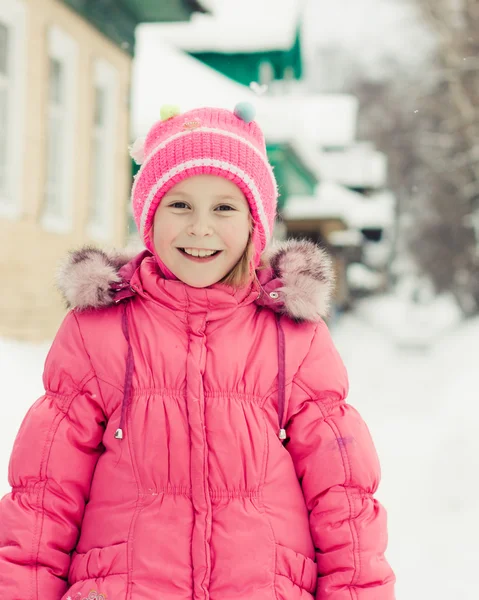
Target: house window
103,143
12,74
60,131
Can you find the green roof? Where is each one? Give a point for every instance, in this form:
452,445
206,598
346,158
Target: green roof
117,19
148,11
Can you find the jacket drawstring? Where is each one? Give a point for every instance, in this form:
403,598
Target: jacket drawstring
281,377
130,365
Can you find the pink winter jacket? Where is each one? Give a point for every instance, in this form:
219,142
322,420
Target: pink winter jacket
153,469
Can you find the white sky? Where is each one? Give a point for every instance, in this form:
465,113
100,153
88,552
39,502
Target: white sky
370,28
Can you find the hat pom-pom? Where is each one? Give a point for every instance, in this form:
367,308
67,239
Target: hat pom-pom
168,111
137,150
245,111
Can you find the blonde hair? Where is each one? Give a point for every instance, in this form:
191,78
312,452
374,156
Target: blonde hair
240,274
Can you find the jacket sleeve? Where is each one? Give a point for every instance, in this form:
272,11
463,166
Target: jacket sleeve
50,473
337,465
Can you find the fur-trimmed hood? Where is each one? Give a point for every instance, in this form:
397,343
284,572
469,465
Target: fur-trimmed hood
297,281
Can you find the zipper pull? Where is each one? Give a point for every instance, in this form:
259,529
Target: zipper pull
282,434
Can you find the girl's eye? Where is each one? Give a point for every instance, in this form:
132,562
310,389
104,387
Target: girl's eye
179,205
225,207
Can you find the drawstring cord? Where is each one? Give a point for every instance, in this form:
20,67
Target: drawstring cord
281,377
130,365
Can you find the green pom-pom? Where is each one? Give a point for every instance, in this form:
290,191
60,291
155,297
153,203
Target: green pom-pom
245,111
167,111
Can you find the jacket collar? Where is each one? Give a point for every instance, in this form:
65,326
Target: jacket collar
217,301
297,280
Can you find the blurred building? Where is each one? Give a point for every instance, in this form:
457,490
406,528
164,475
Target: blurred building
245,40
351,209
65,173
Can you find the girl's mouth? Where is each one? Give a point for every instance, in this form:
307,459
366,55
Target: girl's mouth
199,255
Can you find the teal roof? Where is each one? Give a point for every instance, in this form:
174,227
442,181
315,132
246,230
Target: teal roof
148,11
117,19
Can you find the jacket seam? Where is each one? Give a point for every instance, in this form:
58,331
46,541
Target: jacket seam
352,525
46,453
268,520
294,377
90,360
138,507
318,399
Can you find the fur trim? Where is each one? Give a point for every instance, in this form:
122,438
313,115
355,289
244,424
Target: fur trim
86,276
307,274
305,271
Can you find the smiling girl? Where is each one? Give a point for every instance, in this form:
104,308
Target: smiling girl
194,440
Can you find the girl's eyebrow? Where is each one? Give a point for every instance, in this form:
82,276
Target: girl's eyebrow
177,193
228,197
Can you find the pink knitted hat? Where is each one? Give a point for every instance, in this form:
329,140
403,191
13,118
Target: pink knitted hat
209,141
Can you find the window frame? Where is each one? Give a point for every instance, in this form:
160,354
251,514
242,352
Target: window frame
63,48
12,15
105,77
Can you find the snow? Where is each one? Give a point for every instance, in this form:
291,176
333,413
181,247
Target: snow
165,75
357,166
420,404
346,237
334,201
21,367
360,277
319,119
236,26
377,33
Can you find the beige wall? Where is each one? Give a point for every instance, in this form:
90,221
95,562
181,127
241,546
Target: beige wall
30,307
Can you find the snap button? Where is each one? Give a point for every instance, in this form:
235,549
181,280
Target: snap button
274,295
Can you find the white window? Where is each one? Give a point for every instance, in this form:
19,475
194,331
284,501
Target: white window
103,146
12,94
61,130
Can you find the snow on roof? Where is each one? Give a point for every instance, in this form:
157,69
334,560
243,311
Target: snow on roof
357,166
236,26
323,119
332,201
165,75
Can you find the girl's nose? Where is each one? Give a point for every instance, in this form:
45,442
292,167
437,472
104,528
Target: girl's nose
200,227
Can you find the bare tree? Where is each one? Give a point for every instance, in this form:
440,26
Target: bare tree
427,122
447,244
426,119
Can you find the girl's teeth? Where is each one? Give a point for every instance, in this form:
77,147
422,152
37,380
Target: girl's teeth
199,253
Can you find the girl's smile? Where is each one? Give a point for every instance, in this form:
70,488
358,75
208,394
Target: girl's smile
199,254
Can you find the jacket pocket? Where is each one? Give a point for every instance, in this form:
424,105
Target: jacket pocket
299,569
98,562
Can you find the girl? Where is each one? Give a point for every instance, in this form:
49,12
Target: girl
193,441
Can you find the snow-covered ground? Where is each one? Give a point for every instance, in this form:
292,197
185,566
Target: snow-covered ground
421,404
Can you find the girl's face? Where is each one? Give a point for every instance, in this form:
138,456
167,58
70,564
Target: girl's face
201,229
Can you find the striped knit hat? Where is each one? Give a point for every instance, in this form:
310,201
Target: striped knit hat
208,141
